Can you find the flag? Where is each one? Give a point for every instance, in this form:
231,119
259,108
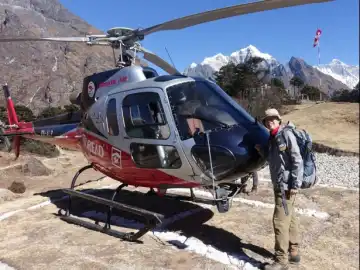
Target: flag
317,37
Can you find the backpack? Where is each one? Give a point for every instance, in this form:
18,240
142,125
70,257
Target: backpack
304,141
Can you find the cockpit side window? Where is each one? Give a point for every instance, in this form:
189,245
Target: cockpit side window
111,117
144,116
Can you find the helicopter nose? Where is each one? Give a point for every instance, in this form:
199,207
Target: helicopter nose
233,152
247,152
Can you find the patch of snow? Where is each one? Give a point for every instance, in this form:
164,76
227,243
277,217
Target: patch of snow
305,212
10,166
191,244
301,211
4,266
323,185
31,99
9,214
55,65
46,203
6,215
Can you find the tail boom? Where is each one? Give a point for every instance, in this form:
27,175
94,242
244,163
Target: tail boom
61,130
65,135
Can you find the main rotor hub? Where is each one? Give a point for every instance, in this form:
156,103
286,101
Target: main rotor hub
120,31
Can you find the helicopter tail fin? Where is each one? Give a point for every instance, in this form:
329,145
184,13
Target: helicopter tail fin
14,127
12,116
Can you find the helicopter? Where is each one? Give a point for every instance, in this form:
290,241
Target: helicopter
149,130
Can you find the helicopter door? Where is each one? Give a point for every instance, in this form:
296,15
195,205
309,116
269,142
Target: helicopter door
149,133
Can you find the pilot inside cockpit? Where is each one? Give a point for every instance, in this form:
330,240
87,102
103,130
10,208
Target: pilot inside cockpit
162,130
186,105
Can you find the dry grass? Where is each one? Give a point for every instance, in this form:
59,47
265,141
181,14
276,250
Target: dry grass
244,231
331,124
37,239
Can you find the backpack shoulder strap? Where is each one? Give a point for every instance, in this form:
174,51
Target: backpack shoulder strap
285,129
282,134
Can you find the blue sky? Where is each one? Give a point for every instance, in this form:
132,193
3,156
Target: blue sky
282,33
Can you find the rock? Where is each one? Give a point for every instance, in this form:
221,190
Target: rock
40,73
17,187
34,167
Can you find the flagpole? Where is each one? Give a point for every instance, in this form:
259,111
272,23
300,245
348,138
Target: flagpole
319,52
319,60
318,45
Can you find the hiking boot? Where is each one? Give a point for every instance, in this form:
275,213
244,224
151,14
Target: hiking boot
276,266
294,258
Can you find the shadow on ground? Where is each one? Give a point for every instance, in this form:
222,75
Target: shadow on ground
187,219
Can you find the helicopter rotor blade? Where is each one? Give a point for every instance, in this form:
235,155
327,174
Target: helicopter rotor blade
141,62
65,39
223,13
102,40
158,61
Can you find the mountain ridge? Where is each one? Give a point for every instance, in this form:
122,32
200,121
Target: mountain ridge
329,75
43,74
347,74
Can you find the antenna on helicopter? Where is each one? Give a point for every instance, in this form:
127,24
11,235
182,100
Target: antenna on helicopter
170,57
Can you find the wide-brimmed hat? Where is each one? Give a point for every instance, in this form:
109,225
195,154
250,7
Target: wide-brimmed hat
271,113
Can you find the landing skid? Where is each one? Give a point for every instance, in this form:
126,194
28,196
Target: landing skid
151,219
222,195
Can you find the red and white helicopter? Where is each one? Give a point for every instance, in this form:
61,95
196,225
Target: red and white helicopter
160,132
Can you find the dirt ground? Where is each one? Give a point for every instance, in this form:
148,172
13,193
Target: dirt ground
35,238
339,120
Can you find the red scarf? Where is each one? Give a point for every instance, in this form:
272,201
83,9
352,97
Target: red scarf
273,132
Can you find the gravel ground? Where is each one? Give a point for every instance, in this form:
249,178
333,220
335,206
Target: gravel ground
333,170
342,171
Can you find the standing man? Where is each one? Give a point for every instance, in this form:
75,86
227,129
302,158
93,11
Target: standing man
286,170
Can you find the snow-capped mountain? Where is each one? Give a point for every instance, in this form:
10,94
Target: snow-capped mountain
347,74
332,77
210,65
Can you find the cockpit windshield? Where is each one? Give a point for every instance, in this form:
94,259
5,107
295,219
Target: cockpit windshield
204,106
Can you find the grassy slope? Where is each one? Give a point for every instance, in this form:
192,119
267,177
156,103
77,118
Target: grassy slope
332,124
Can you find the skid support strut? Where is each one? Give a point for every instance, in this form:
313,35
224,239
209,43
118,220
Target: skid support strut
151,219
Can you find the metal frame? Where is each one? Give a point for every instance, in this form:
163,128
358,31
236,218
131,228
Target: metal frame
152,219
187,171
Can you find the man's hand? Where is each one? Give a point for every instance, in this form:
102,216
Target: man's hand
293,192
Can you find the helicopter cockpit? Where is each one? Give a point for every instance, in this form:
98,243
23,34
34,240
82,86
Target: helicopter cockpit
196,105
202,111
